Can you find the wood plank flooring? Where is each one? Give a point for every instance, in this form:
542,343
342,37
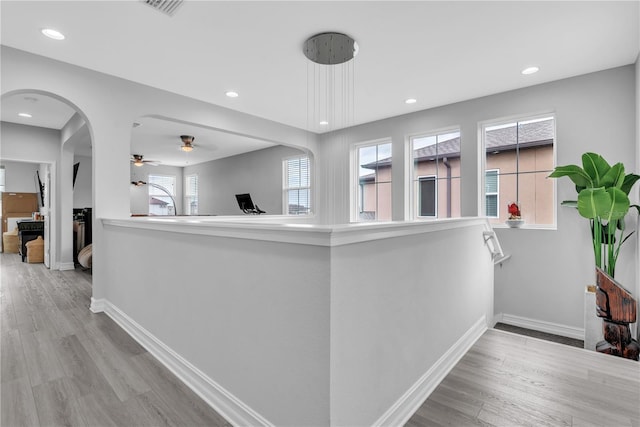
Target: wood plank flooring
62,365
513,380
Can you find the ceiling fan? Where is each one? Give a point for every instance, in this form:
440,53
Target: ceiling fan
137,160
187,142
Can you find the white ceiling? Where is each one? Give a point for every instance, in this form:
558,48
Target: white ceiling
437,52
158,140
46,111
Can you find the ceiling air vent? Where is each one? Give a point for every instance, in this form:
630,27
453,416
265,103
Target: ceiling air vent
168,7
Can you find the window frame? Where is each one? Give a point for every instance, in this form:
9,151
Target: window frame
354,196
410,192
175,181
187,197
286,188
482,157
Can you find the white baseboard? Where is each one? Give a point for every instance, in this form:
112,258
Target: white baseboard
400,412
542,326
66,266
227,405
97,305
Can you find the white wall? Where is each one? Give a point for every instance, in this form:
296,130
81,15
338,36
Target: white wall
397,306
139,198
20,177
226,306
29,143
546,277
334,328
594,112
258,173
109,106
82,196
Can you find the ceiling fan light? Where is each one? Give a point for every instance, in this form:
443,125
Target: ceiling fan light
187,140
138,163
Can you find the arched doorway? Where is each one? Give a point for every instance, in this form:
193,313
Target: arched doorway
47,132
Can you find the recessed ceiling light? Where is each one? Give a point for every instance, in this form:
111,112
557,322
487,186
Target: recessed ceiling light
232,94
410,101
324,123
530,70
27,115
53,34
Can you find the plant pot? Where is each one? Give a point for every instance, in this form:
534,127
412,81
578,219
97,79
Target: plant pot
592,323
515,223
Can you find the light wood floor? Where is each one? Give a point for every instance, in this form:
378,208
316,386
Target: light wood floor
63,365
514,380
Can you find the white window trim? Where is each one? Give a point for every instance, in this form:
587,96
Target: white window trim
175,184
285,188
186,197
355,178
482,158
497,171
435,179
411,205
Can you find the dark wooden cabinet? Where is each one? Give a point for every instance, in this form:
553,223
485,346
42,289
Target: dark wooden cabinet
27,231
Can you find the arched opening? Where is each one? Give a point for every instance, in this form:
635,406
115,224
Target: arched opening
204,178
45,132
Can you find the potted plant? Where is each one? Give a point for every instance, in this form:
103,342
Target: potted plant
603,198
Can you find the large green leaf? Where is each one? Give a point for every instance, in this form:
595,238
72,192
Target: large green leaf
579,177
619,205
596,167
593,202
614,176
629,180
608,204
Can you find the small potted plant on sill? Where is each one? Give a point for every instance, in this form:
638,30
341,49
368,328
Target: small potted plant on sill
515,216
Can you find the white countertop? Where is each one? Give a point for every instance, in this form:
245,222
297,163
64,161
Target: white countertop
291,229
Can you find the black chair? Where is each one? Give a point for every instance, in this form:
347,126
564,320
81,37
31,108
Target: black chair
246,205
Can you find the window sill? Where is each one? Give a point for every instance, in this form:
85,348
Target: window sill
552,227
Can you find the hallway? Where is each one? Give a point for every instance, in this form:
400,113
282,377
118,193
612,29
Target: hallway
63,365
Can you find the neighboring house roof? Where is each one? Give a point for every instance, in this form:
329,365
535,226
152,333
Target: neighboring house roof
371,177
533,134
159,202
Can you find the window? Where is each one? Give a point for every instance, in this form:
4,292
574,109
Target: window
519,155
435,166
297,186
191,195
491,193
373,182
161,192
